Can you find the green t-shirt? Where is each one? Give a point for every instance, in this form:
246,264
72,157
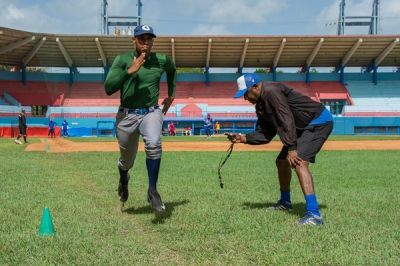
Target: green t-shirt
141,89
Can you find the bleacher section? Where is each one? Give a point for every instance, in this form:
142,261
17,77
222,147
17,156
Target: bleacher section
11,107
369,108
36,92
90,94
330,91
193,99
382,99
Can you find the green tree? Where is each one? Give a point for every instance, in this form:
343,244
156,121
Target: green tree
28,69
198,70
262,70
267,70
312,70
5,68
36,69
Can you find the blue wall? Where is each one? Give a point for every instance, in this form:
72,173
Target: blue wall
87,126
31,121
347,125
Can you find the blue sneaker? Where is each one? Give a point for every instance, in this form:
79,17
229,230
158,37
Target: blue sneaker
281,206
311,219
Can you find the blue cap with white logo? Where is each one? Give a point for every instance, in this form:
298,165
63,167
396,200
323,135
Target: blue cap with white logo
143,29
245,82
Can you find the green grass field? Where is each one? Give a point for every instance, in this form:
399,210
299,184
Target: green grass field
358,192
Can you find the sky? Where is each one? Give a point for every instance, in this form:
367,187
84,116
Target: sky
205,17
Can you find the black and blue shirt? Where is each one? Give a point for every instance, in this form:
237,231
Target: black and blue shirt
282,110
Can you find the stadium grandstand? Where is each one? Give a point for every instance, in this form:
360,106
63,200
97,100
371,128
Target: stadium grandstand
367,102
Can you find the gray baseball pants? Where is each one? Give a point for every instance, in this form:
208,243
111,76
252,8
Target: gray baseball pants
130,127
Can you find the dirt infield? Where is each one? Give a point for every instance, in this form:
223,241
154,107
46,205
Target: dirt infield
59,145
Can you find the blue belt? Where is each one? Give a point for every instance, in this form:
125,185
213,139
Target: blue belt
138,111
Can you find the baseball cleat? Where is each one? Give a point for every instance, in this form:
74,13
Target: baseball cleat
311,219
17,142
154,198
281,206
123,191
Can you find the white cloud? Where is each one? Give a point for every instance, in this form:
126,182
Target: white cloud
27,18
202,29
54,16
13,13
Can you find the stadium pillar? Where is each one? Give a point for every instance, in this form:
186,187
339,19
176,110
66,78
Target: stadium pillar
375,75
23,74
341,75
71,76
240,71
207,75
307,70
106,70
273,73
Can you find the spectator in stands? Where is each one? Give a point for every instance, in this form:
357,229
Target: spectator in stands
137,76
21,127
303,126
52,126
171,129
64,128
217,127
208,125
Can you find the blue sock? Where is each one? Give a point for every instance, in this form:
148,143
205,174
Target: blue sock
312,204
285,196
153,167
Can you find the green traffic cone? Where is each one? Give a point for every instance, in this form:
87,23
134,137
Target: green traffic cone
46,225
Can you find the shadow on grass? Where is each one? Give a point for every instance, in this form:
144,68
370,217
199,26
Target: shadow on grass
159,218
298,208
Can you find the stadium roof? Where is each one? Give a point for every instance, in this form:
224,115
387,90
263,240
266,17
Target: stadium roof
59,50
